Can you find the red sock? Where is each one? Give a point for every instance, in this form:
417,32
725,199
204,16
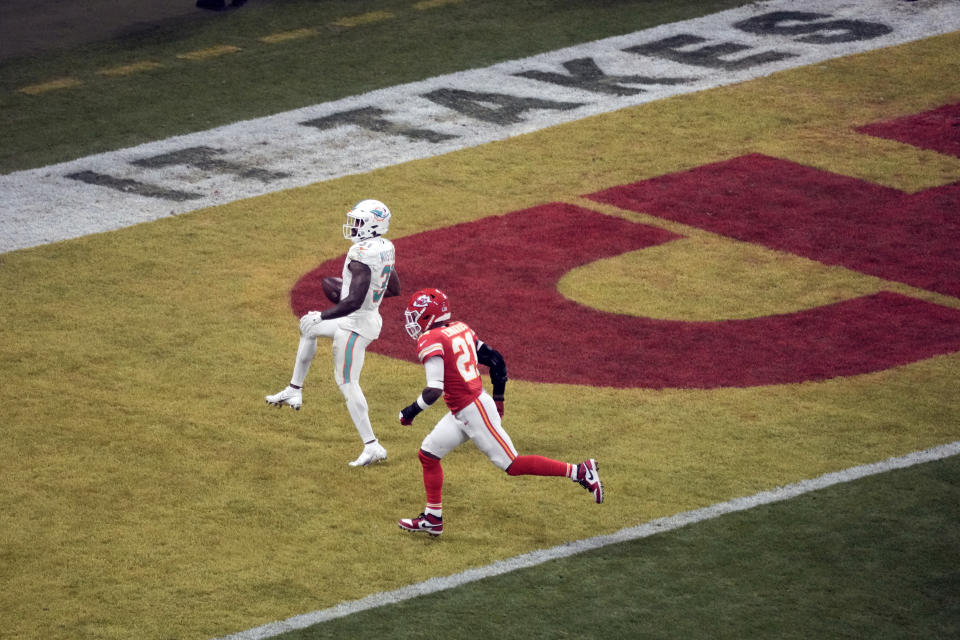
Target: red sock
432,478
538,466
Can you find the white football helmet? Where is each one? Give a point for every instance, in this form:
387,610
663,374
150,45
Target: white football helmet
367,219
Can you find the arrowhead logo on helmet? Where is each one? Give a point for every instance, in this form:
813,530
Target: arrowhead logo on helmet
426,308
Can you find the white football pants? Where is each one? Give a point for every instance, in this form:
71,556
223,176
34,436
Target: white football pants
349,350
479,422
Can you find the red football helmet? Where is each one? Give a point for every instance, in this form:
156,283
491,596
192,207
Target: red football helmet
426,308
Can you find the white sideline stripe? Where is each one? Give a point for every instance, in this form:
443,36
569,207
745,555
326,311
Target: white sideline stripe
646,530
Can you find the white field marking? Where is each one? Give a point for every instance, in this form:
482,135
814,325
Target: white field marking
417,120
661,525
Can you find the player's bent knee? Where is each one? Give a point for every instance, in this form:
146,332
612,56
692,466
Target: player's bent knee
309,323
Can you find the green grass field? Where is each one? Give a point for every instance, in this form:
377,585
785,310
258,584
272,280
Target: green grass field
149,493
143,88
874,558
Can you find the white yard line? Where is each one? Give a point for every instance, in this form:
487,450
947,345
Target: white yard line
446,113
646,530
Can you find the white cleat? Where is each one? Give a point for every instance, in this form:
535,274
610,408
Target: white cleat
289,396
371,453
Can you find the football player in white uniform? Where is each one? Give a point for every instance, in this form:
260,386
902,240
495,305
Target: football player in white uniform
369,276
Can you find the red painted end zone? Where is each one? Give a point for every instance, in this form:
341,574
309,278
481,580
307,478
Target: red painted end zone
937,130
501,274
837,220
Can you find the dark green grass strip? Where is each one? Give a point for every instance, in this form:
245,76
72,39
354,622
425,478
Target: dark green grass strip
877,558
180,96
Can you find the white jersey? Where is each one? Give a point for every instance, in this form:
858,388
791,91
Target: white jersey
378,254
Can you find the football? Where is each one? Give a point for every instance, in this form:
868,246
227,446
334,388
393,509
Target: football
331,288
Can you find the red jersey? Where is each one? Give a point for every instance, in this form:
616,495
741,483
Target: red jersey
457,345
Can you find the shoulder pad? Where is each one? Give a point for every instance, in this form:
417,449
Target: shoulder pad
360,252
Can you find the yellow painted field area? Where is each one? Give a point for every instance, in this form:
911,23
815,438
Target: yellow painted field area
151,493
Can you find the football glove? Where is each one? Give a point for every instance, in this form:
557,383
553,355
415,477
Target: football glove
408,413
308,321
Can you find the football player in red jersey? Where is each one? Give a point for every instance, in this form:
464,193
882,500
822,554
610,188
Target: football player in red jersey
451,353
